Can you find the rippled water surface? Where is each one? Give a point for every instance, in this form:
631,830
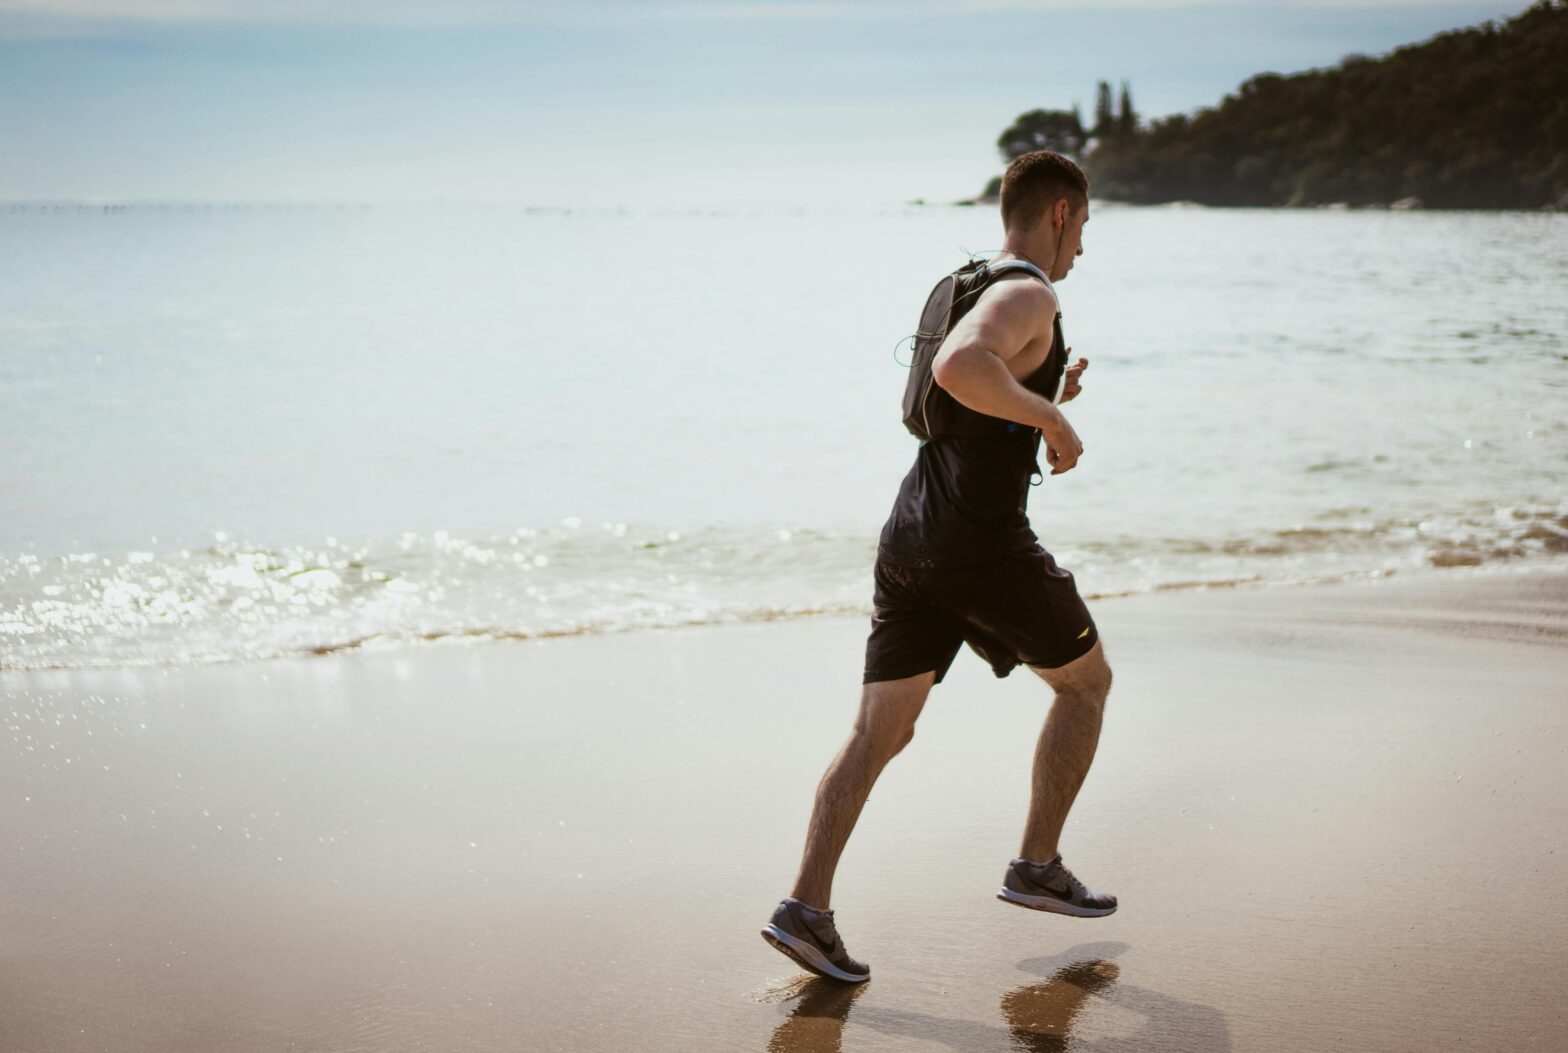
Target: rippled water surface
242,432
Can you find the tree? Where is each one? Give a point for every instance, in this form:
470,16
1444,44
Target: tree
1059,130
1126,120
1104,121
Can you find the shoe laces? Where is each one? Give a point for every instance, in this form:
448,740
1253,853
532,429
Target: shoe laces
824,921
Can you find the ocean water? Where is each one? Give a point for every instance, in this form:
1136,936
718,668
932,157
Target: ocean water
237,432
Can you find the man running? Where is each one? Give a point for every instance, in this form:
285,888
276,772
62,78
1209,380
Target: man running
958,563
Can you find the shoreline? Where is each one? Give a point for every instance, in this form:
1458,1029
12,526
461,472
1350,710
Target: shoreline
389,643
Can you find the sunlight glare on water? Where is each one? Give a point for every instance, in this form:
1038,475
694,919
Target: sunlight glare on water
247,432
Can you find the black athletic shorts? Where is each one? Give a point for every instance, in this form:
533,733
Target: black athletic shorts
1019,609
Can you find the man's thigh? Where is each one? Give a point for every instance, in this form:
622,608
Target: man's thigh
1021,609
911,634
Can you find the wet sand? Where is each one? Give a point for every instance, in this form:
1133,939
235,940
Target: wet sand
1336,816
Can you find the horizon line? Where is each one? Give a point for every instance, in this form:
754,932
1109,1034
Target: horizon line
111,15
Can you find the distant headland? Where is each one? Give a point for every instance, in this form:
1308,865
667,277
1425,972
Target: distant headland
1472,118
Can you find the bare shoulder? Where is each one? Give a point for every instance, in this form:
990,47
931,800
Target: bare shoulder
1021,294
1020,305
1009,316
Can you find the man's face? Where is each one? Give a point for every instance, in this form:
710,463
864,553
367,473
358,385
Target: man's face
1070,247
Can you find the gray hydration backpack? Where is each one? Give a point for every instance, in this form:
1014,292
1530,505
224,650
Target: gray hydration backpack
929,411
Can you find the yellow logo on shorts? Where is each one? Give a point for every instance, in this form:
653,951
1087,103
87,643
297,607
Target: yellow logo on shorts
1084,633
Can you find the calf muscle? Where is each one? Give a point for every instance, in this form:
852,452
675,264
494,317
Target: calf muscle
883,727
1065,749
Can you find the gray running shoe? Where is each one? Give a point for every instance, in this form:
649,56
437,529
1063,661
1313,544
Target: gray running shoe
1051,886
811,939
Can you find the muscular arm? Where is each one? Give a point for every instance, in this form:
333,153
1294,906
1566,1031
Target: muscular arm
972,362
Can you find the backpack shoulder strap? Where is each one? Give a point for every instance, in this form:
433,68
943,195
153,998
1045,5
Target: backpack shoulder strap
1020,265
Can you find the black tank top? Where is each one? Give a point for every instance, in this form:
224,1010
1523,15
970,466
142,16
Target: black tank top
964,500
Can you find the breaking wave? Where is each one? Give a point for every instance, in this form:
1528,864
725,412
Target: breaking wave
238,599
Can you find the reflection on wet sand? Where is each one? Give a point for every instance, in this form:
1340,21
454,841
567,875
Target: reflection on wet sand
1040,1016
817,1023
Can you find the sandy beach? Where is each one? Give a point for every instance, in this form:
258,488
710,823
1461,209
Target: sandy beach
1335,817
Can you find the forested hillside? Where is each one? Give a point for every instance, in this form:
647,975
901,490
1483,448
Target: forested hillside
1475,118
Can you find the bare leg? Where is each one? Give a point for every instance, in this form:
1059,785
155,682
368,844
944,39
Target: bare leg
883,727
1066,748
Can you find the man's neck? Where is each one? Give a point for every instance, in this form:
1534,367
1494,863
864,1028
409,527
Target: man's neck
1042,255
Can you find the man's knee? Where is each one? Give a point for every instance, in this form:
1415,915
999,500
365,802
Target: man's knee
885,738
1101,684
886,745
888,711
1095,683
1086,678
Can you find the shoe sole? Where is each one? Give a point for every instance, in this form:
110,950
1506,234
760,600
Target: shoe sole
808,957
1052,904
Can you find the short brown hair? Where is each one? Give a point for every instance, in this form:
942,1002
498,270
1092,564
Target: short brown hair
1037,180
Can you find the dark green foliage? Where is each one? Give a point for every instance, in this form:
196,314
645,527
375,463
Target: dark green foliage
1475,118
1059,130
1104,119
1126,119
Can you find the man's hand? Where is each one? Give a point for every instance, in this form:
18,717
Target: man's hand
1074,378
1062,448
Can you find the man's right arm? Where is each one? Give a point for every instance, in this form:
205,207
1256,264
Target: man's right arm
971,364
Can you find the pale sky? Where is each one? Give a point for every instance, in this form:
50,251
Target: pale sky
609,104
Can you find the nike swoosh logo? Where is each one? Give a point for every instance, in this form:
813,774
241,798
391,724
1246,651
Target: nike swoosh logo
1056,893
1084,633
